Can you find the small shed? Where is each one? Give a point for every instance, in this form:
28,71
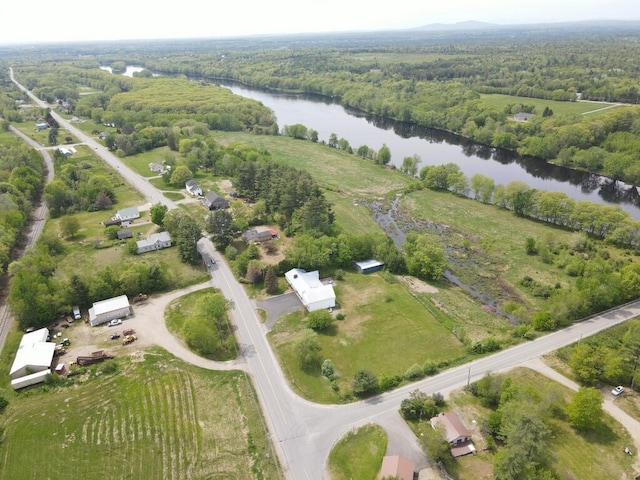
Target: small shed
368,266
109,309
213,201
42,126
124,234
156,167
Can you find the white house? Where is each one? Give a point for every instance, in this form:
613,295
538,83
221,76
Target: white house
109,309
127,214
34,355
193,188
313,294
157,241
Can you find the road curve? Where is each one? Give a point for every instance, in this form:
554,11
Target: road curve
303,433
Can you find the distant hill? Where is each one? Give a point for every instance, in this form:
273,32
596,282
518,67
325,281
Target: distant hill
475,25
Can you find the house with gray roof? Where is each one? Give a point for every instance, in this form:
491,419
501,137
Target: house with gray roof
156,241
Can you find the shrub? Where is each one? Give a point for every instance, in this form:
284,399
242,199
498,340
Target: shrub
364,381
231,252
390,382
3,403
327,369
341,316
338,274
430,367
419,405
413,372
319,320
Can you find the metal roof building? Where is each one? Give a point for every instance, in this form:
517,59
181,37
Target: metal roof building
109,309
314,294
34,354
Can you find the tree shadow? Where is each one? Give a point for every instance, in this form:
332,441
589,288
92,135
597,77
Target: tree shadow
603,434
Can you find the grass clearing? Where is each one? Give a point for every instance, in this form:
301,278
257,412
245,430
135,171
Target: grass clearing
386,330
559,108
358,455
330,167
156,417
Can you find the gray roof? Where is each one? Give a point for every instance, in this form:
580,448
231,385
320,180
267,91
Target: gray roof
156,237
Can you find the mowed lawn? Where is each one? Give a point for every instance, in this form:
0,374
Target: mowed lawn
559,108
386,330
156,418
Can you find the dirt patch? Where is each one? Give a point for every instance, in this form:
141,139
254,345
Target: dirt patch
417,286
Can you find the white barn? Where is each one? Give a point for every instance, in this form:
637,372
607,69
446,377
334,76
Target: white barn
313,294
34,355
109,309
157,241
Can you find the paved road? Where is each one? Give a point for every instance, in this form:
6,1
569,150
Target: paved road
303,432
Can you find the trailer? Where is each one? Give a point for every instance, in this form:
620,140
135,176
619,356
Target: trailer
95,357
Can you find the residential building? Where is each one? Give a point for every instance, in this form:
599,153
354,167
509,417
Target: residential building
458,436
127,214
258,236
312,292
156,241
395,466
156,168
193,188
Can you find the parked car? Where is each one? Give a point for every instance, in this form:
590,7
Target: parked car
115,322
618,390
129,331
115,336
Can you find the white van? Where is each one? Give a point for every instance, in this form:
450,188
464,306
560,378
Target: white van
76,313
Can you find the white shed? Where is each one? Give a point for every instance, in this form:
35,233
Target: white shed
314,294
34,354
109,309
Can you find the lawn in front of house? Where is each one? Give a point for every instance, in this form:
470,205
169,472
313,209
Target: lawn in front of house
385,330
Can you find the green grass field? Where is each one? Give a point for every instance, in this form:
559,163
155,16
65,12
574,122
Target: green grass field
154,418
386,330
559,108
358,455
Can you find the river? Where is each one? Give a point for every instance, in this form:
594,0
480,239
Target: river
434,147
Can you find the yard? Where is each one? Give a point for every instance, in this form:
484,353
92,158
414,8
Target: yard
358,455
385,330
559,108
596,455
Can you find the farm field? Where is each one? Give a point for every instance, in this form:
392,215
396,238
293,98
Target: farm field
385,330
559,108
147,416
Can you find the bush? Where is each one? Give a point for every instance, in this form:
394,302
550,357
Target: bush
419,405
3,403
364,382
390,382
413,372
341,316
338,274
319,320
231,252
430,367
327,369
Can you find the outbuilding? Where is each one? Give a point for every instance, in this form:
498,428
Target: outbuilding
124,234
109,309
313,293
368,266
213,201
34,355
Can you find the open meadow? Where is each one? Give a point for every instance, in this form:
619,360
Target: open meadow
559,108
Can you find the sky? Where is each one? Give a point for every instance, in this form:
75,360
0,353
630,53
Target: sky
40,21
